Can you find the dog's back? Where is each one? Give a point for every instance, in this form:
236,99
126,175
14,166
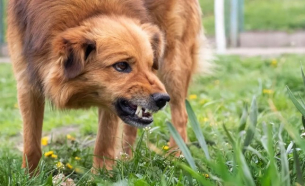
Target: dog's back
30,25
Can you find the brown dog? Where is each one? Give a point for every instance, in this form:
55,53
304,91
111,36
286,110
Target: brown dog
103,53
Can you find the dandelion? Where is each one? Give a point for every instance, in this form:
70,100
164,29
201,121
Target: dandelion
267,91
273,63
79,170
77,158
60,179
193,96
59,165
205,119
69,137
44,141
54,156
165,147
203,101
49,153
69,166
16,106
147,128
124,155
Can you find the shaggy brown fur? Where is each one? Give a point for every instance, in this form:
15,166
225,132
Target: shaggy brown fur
72,52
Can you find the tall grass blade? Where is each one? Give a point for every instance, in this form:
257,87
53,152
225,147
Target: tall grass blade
271,175
231,139
303,121
163,181
49,181
244,168
185,151
243,119
295,135
197,130
253,121
285,176
257,153
302,101
303,75
300,179
196,175
296,102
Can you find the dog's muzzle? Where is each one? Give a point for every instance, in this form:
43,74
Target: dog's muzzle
139,112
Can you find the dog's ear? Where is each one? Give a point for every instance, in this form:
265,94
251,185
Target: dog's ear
74,50
157,43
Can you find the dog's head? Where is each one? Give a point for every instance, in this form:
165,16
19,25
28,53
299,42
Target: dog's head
110,62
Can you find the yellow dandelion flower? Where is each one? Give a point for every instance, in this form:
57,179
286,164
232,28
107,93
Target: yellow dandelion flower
69,137
44,141
273,63
77,158
49,153
205,119
165,147
193,96
206,175
54,156
69,166
79,170
59,165
267,91
203,101
16,106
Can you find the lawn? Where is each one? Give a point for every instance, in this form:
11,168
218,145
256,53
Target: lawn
242,151
261,15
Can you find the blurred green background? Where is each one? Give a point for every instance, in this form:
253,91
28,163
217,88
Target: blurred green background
261,15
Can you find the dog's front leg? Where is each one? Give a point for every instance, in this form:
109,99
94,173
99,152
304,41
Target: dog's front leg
129,138
105,144
179,119
31,104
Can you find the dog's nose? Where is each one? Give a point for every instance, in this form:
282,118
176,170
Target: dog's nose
160,99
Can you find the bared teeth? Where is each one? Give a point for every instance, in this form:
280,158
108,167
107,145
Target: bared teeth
148,111
140,111
140,114
139,108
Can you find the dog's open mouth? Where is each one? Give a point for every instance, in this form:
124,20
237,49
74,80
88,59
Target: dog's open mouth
132,114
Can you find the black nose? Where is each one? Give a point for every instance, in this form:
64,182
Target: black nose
160,99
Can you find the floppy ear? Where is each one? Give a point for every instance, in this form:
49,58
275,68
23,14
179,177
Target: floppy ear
74,51
157,43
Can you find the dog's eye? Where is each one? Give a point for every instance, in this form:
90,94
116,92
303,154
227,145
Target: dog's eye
122,67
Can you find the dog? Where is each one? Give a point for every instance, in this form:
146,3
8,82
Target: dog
126,57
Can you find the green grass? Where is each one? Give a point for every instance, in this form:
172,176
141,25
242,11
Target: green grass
261,15
248,140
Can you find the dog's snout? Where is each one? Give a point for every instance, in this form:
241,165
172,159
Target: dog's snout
160,99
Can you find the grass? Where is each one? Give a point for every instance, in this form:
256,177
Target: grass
261,15
250,129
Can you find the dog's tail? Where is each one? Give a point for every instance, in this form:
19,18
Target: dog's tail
205,56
